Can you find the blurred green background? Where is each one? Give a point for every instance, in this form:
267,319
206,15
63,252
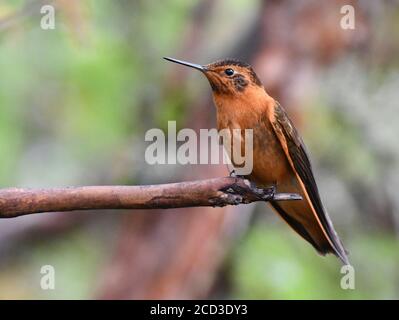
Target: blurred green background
75,103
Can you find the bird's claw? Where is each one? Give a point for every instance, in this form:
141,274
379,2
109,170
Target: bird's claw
272,191
264,194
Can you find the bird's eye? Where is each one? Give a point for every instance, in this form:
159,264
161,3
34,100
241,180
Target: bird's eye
229,72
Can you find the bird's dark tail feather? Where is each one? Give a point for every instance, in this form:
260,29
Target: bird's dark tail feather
322,249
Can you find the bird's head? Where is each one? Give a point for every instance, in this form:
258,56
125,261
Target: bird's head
227,77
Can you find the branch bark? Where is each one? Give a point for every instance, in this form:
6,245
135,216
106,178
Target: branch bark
217,192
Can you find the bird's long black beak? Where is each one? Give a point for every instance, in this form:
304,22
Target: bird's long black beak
188,64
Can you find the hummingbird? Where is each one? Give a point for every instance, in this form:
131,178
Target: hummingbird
280,158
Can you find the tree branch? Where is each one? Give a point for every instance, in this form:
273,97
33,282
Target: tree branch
216,192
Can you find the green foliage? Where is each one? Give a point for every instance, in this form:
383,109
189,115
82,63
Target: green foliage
274,263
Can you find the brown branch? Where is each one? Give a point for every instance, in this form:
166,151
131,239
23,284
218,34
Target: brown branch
216,192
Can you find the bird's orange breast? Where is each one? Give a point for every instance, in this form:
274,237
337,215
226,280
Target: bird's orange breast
270,164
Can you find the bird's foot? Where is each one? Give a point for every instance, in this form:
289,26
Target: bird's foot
263,193
246,191
272,191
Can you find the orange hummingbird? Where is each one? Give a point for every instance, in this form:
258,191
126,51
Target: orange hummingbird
279,154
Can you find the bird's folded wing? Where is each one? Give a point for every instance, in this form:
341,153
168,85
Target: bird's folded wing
295,151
